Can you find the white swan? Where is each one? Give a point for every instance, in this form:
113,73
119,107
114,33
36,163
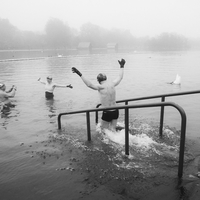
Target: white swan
60,55
177,80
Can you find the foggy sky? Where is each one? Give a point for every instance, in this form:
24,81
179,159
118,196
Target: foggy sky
141,17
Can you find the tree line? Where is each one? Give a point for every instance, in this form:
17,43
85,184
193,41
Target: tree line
59,35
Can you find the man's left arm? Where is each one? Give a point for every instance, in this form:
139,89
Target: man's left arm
63,86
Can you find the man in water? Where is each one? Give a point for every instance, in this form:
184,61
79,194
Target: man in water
107,95
6,95
50,86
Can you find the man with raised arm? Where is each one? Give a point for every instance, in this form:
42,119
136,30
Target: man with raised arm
107,95
6,95
50,86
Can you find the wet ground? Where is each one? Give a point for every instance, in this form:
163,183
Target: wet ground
66,168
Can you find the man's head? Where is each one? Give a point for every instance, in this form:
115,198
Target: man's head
49,78
2,86
101,77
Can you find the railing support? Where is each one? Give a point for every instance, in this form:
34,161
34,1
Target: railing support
59,121
182,144
88,126
161,117
126,131
127,107
96,114
153,97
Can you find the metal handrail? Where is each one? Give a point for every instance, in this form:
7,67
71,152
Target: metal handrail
162,96
159,96
126,108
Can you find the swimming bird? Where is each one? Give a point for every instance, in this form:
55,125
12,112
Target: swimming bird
177,81
60,55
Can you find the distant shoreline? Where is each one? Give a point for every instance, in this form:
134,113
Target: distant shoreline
35,54
29,54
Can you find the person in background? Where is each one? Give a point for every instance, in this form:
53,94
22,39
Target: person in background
107,95
6,95
50,86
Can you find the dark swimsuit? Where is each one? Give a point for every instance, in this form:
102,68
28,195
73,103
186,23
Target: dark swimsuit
49,95
109,115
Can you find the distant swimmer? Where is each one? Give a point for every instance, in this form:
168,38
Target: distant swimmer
107,95
177,81
6,95
50,86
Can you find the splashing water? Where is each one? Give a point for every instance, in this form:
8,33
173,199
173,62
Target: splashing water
146,148
148,153
140,141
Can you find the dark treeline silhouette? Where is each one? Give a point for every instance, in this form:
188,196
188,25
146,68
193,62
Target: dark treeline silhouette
59,35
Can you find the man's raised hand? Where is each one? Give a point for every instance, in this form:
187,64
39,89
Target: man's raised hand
122,63
70,86
74,70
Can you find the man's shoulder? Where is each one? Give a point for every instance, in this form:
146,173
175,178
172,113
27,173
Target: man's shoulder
3,94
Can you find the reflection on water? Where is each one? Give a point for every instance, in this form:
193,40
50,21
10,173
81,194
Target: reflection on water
7,112
51,106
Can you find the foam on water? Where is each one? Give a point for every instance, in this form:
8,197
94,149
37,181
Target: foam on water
148,153
140,140
145,146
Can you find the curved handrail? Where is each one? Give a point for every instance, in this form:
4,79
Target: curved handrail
159,96
127,107
162,96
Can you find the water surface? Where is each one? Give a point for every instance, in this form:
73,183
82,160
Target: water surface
27,131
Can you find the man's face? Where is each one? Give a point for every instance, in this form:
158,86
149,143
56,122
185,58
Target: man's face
49,80
3,88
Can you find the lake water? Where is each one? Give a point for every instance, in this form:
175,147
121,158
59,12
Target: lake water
27,129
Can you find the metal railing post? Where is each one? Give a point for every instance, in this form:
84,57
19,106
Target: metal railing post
88,125
127,107
182,144
59,122
96,114
126,131
161,117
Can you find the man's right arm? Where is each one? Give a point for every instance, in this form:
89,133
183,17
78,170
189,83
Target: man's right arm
86,81
39,79
10,94
121,73
90,84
